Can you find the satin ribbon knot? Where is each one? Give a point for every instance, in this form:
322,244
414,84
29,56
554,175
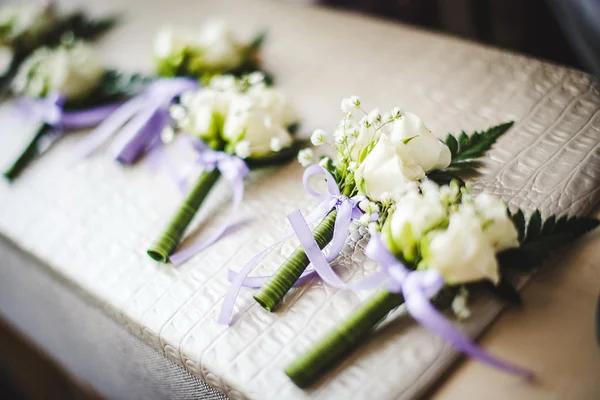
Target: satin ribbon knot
347,209
139,121
418,288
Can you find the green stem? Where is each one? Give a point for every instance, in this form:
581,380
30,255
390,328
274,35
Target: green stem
343,339
171,236
27,156
284,278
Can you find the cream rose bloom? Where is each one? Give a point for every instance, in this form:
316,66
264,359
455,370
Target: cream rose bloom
412,218
404,155
72,71
462,253
259,123
387,169
425,148
497,225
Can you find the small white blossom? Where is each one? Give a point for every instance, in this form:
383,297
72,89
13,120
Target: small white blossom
396,113
324,161
374,117
275,144
369,206
256,78
318,137
351,103
459,304
373,228
167,134
365,219
352,166
177,112
242,149
305,157
385,197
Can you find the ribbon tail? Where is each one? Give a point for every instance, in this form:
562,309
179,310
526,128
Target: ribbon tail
340,230
312,250
241,279
256,282
136,126
87,118
157,158
144,138
109,127
419,306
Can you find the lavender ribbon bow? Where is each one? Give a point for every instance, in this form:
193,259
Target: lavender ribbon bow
418,287
232,168
50,110
139,121
347,211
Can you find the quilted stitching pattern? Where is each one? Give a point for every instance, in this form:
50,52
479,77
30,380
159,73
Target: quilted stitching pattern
92,222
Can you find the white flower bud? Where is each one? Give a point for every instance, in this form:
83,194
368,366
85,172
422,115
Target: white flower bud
305,157
318,137
242,149
275,144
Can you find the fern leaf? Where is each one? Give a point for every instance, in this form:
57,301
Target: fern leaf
466,148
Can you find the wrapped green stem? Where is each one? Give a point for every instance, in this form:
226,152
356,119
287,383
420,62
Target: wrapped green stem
32,150
164,246
344,338
284,278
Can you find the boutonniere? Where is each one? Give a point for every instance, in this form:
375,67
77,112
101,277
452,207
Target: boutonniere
212,49
378,159
27,26
184,58
65,88
235,125
435,244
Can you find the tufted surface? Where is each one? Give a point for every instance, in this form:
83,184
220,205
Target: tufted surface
93,221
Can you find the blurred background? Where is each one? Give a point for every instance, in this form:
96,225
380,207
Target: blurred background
525,26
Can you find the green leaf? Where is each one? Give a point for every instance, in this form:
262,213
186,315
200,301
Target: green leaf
258,41
468,148
542,238
83,27
452,144
534,226
114,86
407,140
519,220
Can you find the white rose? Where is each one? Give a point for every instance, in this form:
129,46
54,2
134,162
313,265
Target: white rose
426,149
275,103
256,127
203,112
412,218
387,169
218,45
497,225
170,41
462,253
72,71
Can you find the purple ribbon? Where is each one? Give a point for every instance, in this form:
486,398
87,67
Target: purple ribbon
418,287
232,168
50,110
347,209
139,121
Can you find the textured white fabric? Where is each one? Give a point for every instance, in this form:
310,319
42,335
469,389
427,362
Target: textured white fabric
92,223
